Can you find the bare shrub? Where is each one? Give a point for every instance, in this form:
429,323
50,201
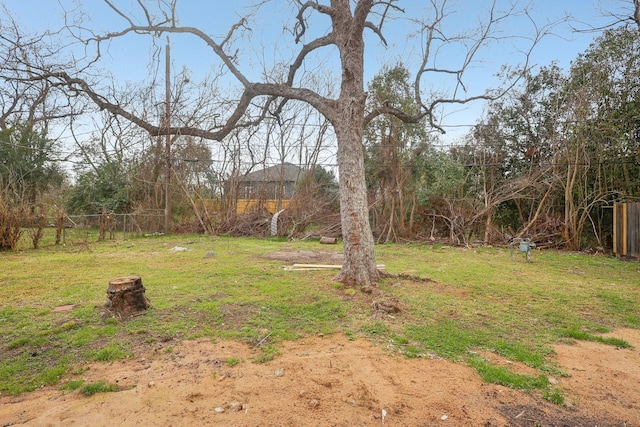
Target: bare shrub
107,223
256,223
36,223
312,212
10,227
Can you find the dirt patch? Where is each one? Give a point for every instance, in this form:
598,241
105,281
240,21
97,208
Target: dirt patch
66,307
331,381
304,256
603,379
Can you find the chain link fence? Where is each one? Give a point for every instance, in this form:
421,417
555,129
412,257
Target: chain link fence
75,229
115,226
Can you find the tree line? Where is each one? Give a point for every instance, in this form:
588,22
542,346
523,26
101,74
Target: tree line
546,161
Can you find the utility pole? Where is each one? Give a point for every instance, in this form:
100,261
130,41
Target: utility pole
167,149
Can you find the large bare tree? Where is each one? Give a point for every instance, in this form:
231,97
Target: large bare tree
346,24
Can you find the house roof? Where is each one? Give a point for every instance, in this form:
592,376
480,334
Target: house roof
291,173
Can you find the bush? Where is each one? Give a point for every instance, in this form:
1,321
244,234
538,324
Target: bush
10,227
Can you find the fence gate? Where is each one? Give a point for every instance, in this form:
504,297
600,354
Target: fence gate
626,229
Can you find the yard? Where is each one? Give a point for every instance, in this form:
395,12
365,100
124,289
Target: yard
453,336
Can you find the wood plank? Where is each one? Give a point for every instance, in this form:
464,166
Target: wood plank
318,265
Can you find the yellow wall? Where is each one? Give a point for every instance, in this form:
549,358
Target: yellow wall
245,206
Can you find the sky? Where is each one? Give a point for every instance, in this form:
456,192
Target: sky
267,42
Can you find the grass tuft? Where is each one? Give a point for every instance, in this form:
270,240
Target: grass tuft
585,336
505,377
554,395
110,353
72,385
20,342
267,353
233,361
376,329
98,387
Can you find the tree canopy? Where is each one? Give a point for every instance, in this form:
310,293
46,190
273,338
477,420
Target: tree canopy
27,166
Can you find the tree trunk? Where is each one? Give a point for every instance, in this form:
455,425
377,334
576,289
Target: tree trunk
570,213
487,226
359,268
533,220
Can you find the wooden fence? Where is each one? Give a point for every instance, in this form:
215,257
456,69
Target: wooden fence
626,230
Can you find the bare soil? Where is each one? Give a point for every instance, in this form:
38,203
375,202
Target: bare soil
332,381
307,256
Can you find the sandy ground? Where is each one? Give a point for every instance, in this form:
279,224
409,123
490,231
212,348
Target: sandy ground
331,381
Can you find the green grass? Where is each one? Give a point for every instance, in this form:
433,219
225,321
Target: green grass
585,336
233,361
110,353
98,387
448,339
554,395
26,371
504,376
267,354
72,385
478,299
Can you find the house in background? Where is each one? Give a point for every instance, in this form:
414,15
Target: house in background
271,188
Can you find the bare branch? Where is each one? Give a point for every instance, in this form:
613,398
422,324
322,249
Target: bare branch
627,16
395,112
301,24
233,29
306,50
376,29
124,16
433,34
146,13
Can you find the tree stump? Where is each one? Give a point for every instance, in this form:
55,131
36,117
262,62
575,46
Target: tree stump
125,296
